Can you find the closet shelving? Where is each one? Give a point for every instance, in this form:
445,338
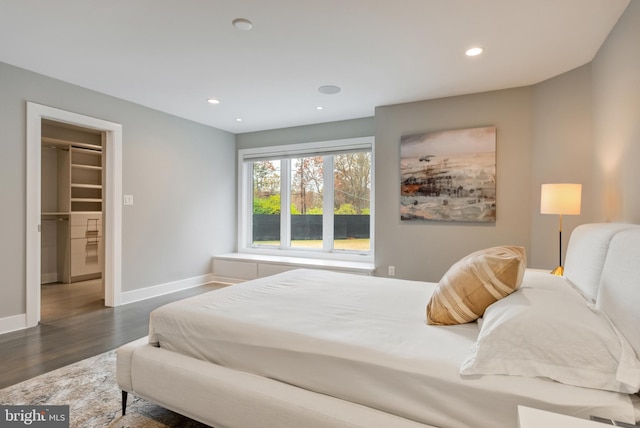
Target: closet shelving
86,179
83,174
74,200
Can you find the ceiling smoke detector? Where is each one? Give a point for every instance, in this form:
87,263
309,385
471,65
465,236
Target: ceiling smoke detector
329,89
242,24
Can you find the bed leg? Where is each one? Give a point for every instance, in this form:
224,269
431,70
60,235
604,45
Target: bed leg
124,402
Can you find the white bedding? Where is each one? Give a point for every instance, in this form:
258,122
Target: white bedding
365,340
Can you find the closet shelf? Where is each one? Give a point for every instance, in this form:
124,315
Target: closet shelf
55,214
66,144
97,150
86,186
86,200
83,166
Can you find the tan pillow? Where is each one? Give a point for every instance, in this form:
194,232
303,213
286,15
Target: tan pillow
474,283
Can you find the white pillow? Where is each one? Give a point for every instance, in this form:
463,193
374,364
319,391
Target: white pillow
546,329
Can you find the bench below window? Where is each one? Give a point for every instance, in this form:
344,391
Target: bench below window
237,267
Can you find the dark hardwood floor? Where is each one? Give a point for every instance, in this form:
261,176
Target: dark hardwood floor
74,329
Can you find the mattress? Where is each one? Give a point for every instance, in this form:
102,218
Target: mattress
364,340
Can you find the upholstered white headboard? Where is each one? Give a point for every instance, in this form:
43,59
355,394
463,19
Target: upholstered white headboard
619,291
603,262
587,252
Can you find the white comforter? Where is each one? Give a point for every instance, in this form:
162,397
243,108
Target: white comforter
361,339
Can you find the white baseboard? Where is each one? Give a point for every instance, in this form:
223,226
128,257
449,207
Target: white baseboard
48,277
161,289
19,322
13,323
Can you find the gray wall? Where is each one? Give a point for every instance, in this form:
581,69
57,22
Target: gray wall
424,250
562,153
354,128
616,101
182,176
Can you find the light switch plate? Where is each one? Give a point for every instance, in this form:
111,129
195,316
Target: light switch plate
128,199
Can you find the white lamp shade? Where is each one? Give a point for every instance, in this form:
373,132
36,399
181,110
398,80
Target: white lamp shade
561,198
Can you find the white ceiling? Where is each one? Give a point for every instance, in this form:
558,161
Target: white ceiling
172,55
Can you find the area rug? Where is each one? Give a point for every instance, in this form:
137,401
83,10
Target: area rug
89,388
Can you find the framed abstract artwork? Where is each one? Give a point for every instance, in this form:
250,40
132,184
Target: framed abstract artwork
449,175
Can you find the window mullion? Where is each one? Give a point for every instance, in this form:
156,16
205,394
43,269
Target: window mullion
245,188
327,204
285,204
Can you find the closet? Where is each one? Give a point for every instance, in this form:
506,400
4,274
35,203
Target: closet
72,203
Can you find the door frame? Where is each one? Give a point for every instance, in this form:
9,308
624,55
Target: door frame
112,197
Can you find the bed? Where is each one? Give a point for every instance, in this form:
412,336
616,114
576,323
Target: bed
324,349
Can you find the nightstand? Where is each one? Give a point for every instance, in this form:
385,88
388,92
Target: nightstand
535,418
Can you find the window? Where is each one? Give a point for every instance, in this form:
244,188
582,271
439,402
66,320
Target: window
312,200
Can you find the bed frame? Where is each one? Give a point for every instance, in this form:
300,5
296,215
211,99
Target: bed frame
223,397
603,255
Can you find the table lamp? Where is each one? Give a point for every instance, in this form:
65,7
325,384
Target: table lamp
560,198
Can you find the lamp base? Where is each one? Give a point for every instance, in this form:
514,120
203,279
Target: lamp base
559,271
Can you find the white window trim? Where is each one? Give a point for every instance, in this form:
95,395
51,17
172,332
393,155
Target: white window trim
292,151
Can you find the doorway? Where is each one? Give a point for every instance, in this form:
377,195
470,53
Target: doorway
72,230
111,135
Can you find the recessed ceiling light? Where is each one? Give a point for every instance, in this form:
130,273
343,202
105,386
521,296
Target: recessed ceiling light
319,108
474,51
242,24
329,89
213,101
238,119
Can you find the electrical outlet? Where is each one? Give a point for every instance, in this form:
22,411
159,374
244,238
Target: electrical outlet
392,270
